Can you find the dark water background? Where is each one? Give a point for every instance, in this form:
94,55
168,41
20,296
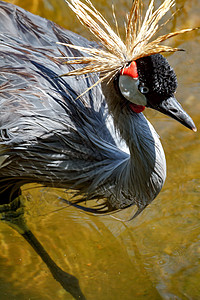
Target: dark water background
155,256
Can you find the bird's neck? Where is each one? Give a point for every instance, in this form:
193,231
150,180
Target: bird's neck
146,169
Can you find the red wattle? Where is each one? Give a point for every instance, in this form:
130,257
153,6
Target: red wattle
130,70
136,108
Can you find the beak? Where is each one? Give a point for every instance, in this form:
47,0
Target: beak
171,107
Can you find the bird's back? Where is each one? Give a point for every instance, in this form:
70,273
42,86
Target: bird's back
47,135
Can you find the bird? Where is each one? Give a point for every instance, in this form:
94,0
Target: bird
71,110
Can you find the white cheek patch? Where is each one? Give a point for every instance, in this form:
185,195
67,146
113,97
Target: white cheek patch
129,88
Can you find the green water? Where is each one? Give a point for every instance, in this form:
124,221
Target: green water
155,256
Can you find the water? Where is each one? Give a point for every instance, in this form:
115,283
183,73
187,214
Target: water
155,256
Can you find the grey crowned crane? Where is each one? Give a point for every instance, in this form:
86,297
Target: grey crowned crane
82,128
71,112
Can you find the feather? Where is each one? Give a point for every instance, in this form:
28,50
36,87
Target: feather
115,53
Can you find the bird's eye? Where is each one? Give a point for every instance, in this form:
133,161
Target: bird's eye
143,89
129,88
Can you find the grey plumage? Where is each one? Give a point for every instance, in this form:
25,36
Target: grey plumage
48,136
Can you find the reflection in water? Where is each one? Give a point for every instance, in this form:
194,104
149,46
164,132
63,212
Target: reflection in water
68,281
155,256
14,217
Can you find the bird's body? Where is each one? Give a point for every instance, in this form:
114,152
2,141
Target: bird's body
82,127
95,144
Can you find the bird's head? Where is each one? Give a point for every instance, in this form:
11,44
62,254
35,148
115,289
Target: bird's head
145,78
151,82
